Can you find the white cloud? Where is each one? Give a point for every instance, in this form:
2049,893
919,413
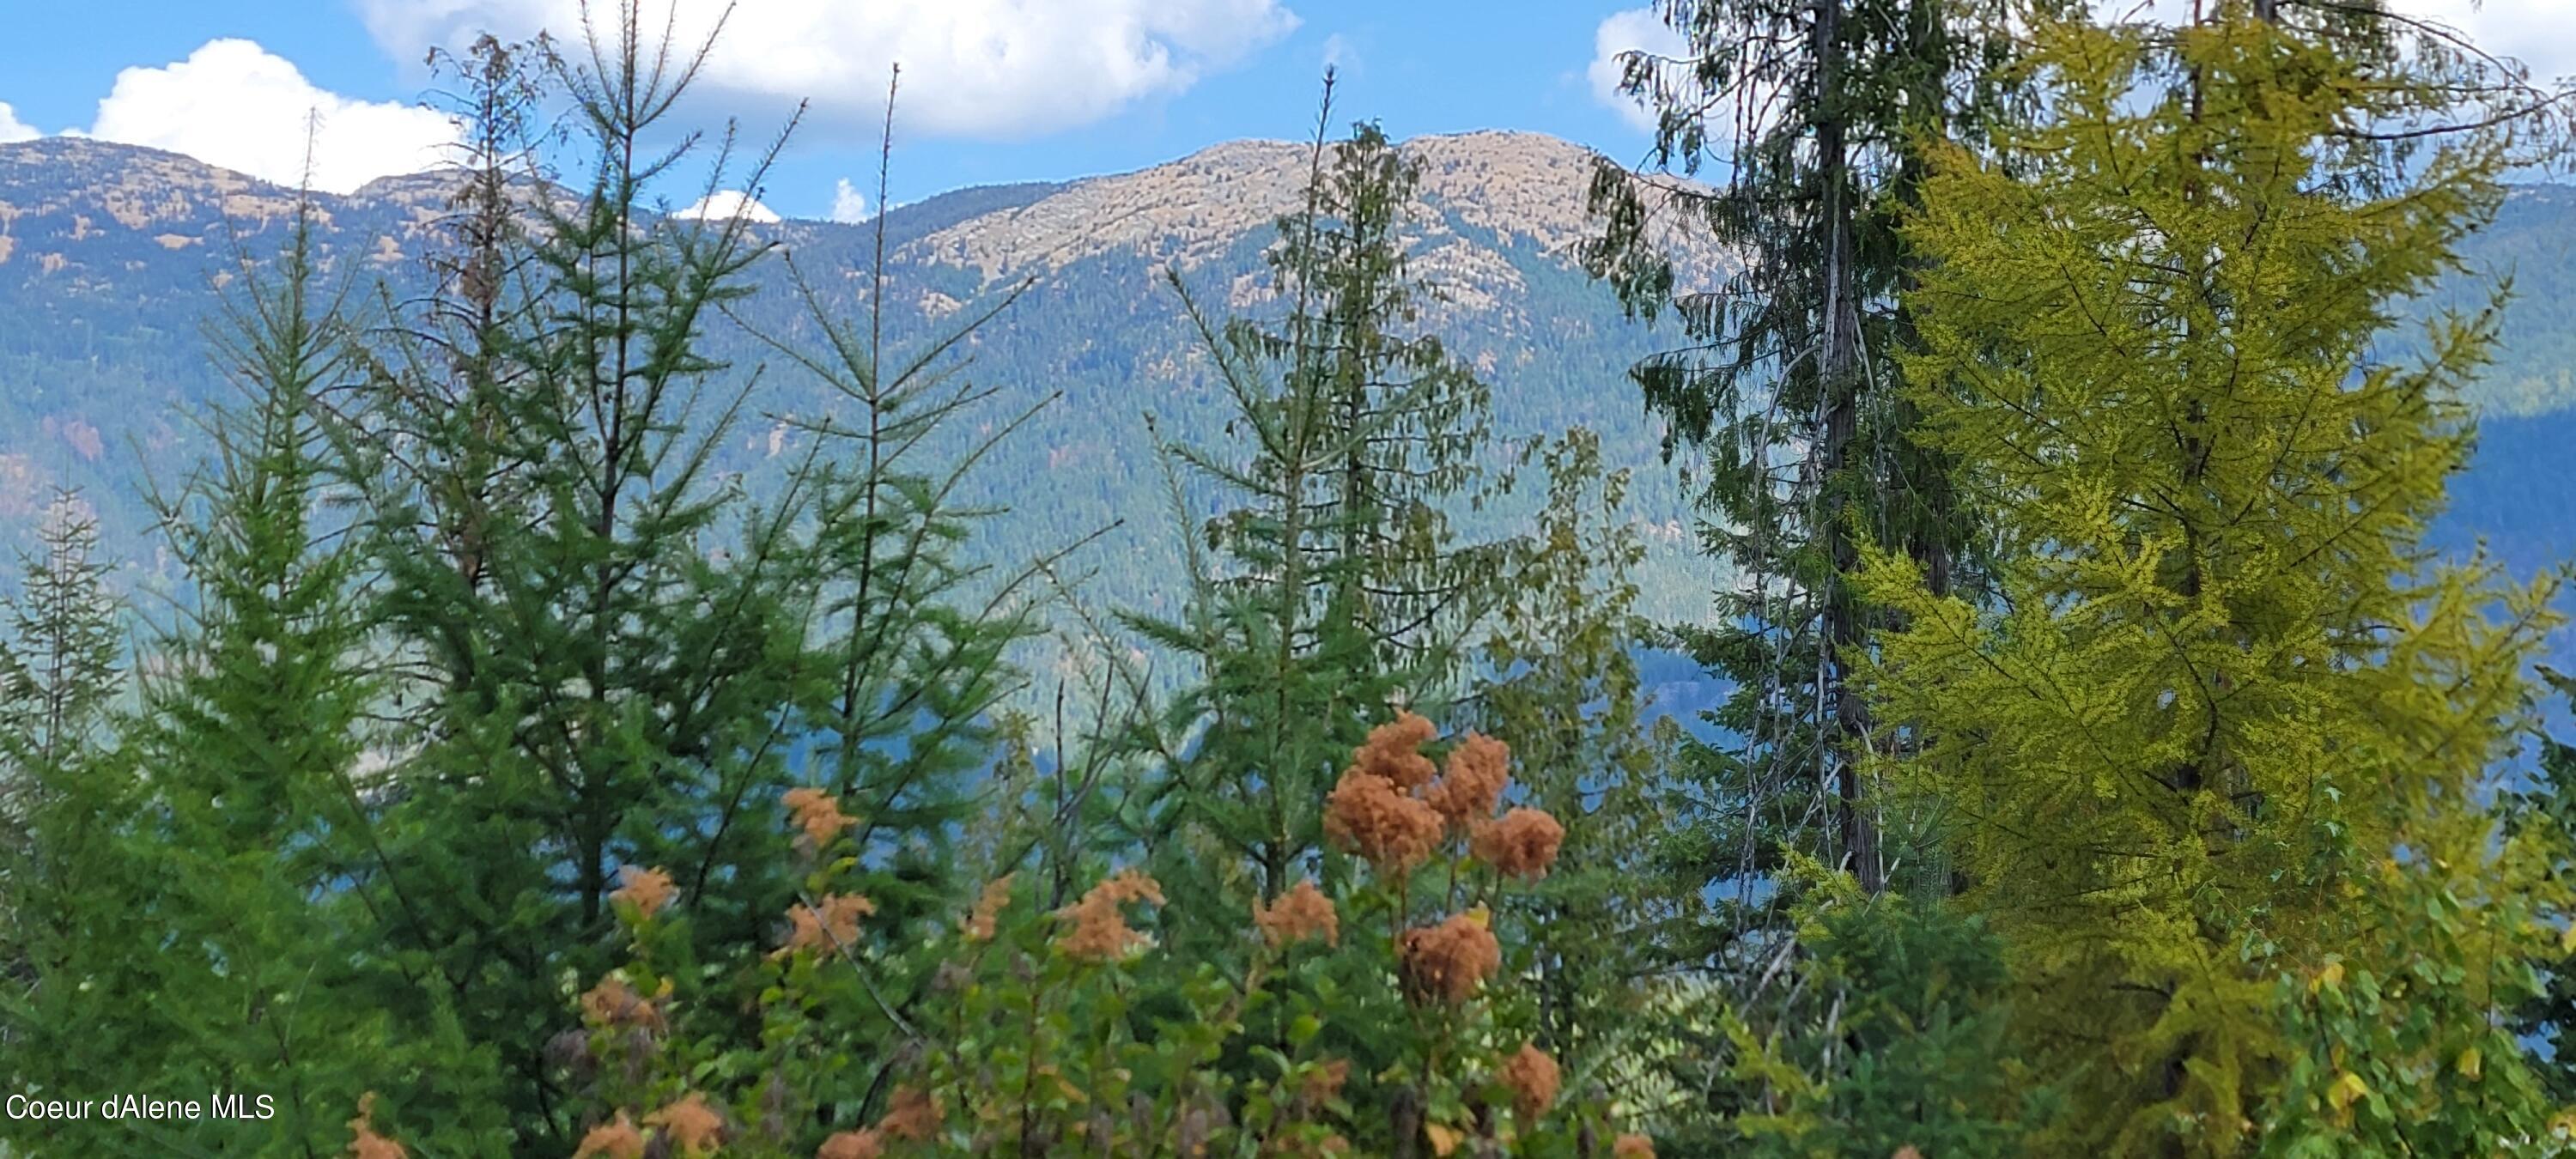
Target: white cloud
1341,54
724,204
997,69
2532,31
849,206
13,129
1629,30
234,104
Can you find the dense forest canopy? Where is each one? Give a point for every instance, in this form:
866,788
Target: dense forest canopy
2099,742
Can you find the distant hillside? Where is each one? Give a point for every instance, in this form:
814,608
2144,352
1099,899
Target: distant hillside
114,260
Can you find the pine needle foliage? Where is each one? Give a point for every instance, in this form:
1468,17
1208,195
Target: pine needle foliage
2222,686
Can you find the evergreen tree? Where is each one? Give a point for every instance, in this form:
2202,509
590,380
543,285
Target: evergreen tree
59,675
1335,585
601,678
224,954
1789,385
2217,742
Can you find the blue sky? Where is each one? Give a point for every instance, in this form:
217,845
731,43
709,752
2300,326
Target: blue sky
995,90
1144,81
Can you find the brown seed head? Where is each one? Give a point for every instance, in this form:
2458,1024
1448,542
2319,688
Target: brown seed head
648,890
986,916
364,1142
1301,913
1533,1078
690,1124
1366,814
1479,769
1632,1147
852,1145
1392,752
1448,961
616,1139
817,813
615,1003
913,1116
826,927
1523,844
1098,930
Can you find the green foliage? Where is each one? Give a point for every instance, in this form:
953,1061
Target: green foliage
1331,585
445,810
1914,1052
1327,1030
2216,689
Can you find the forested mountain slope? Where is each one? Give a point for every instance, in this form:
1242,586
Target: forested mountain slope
116,261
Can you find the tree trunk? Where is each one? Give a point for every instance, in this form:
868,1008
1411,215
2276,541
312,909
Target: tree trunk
1837,368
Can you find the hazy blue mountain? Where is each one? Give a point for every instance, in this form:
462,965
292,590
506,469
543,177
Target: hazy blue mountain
116,260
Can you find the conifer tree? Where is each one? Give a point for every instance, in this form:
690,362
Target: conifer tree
1335,585
602,671
223,953
2216,744
1788,387
60,670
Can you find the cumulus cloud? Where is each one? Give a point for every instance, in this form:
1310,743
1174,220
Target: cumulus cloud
2527,30
13,129
1624,31
996,69
849,206
235,104
725,204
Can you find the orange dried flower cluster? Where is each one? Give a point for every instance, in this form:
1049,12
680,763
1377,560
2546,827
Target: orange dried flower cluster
1533,1078
1099,930
1523,844
1632,1147
1369,815
914,1115
1301,913
1325,1082
1479,769
1393,751
828,927
817,813
364,1142
1448,961
986,916
614,1003
852,1145
648,890
616,1139
690,1123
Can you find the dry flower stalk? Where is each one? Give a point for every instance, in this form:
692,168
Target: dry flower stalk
985,918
